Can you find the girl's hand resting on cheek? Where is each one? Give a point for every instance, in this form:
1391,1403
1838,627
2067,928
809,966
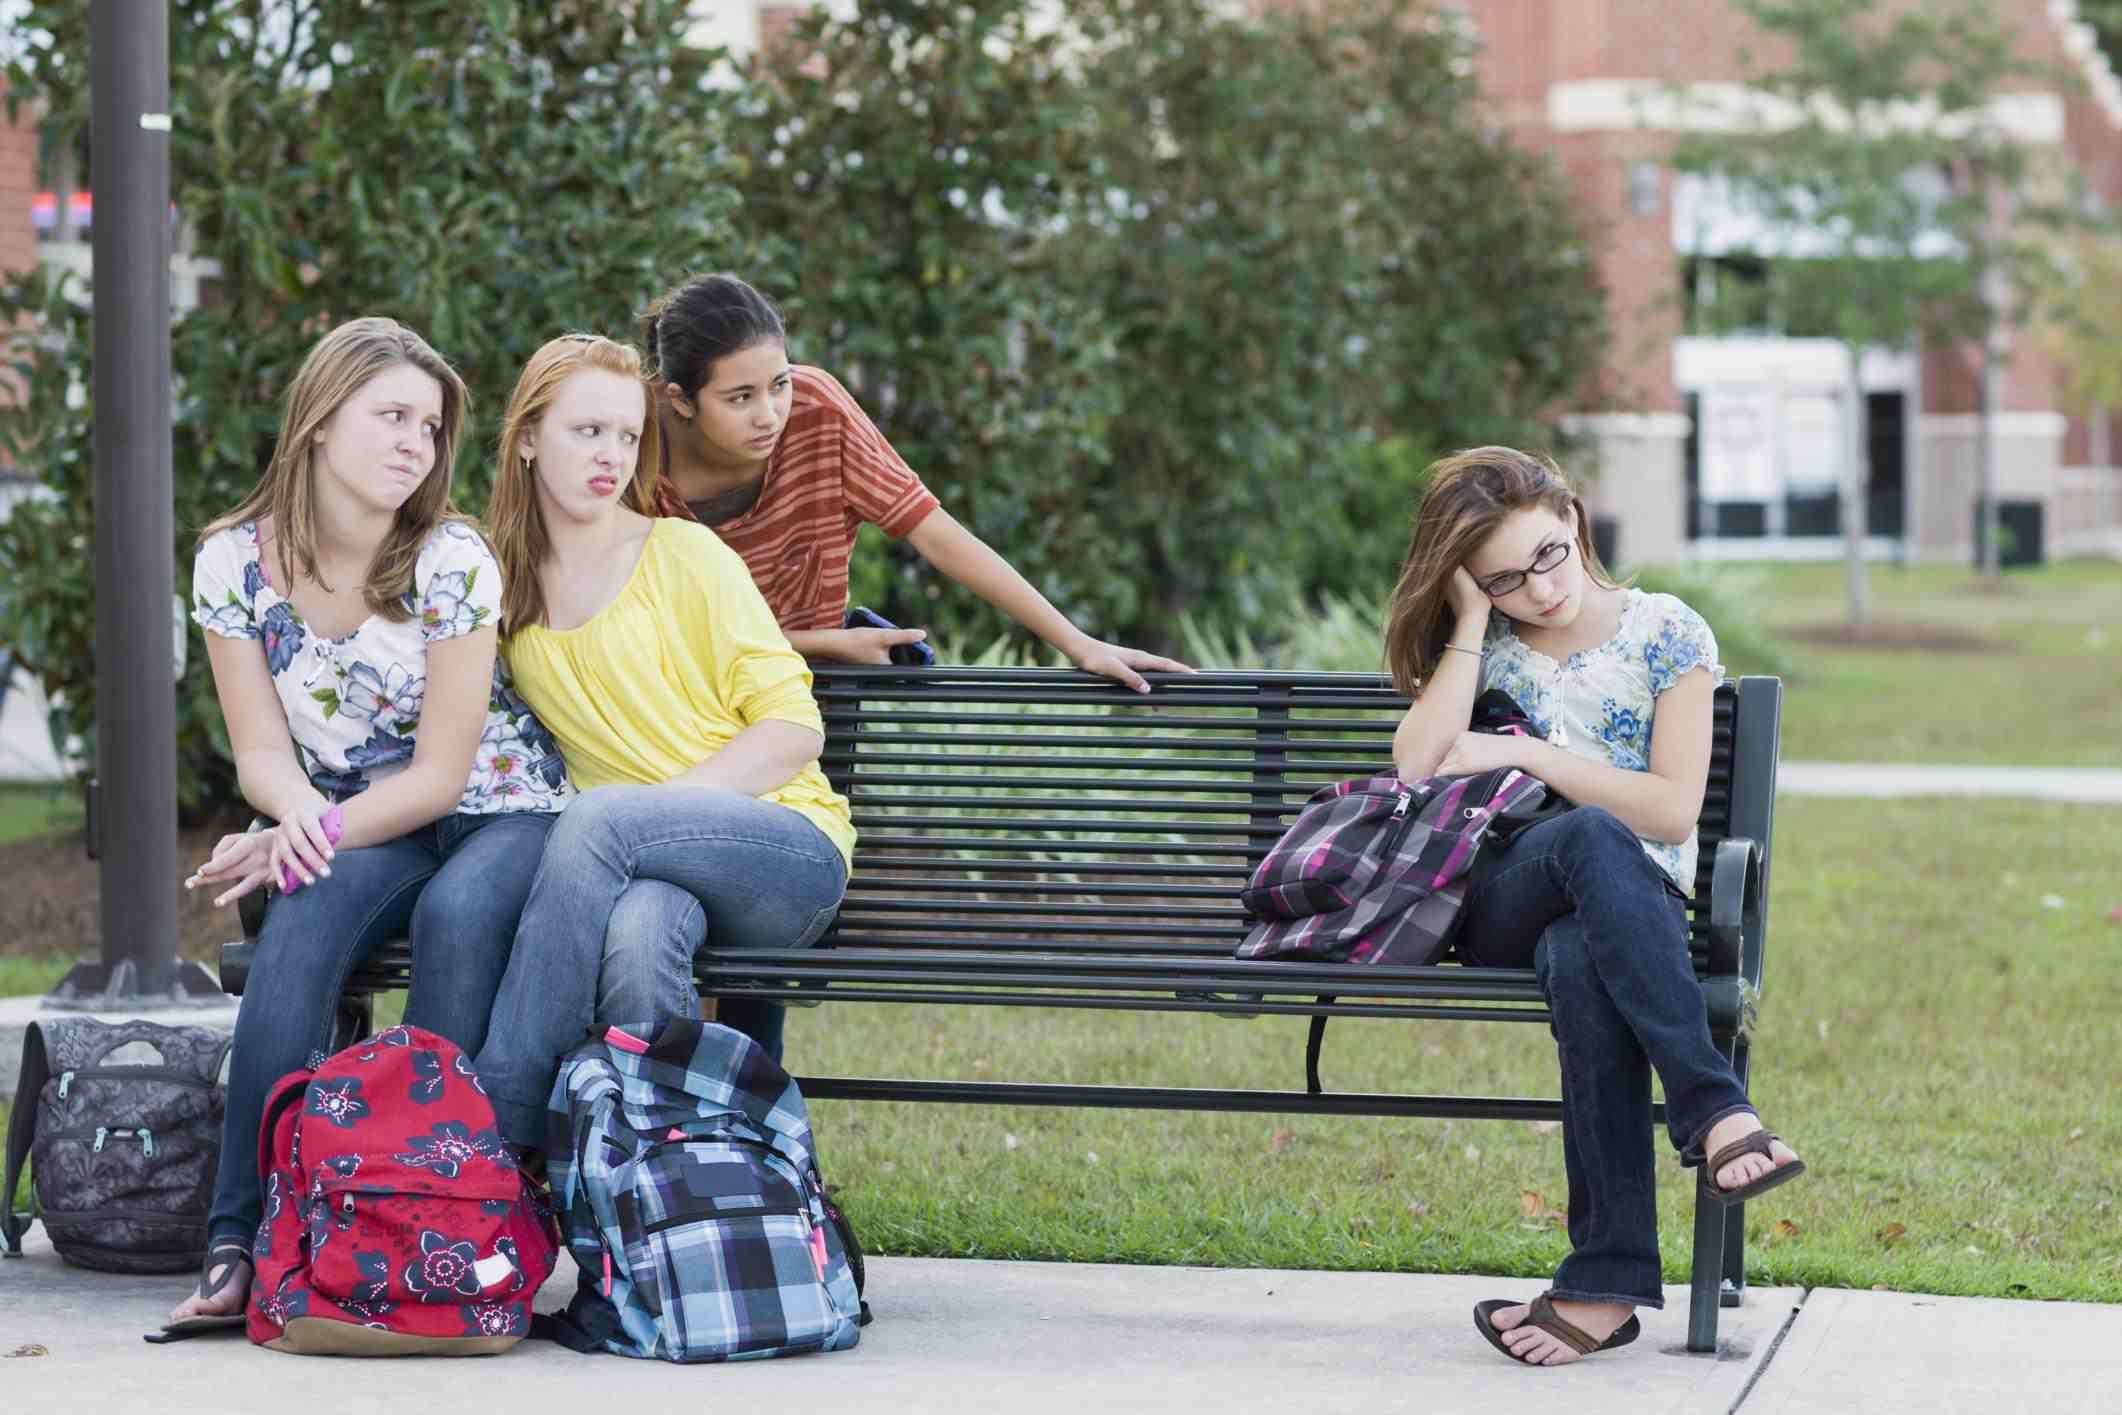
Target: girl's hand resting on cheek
1468,599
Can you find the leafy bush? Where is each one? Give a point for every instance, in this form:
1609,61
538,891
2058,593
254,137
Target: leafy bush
490,174
1123,293
1168,306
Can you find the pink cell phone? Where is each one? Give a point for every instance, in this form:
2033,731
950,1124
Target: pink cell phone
334,826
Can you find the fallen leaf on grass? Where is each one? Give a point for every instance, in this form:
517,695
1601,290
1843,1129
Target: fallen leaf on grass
1784,1231
1535,1208
30,1349
1891,1234
1280,1141
1417,1208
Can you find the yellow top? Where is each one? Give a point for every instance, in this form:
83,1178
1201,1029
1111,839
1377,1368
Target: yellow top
659,680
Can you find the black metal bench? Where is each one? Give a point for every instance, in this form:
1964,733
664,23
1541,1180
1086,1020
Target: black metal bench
1043,838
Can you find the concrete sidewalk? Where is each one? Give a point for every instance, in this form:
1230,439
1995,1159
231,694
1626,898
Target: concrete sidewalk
1861,780
1076,1338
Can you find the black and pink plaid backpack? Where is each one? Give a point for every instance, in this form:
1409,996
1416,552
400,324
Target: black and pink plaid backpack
1374,870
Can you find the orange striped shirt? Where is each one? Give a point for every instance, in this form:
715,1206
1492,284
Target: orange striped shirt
831,471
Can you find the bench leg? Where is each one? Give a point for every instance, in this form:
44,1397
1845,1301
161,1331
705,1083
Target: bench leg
356,1019
1703,1296
1734,1288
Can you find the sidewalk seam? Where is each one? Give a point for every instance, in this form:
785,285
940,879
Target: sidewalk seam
1769,1355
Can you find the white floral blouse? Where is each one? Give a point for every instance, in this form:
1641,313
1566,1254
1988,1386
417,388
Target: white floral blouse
353,703
1599,702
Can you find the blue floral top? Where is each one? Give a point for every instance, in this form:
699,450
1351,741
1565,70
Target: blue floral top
1599,703
353,704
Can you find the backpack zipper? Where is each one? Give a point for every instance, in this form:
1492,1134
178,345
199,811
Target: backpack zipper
102,1135
133,1073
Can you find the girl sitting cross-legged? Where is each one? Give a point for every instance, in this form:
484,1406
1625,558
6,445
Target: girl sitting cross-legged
685,718
1501,589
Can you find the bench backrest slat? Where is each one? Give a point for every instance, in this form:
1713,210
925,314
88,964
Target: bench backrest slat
1023,809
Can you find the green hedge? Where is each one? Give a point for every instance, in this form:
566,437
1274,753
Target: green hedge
1169,308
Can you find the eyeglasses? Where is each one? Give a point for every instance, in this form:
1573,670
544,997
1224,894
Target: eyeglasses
1550,556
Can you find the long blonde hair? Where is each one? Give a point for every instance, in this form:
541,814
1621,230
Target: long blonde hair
342,363
1468,495
515,520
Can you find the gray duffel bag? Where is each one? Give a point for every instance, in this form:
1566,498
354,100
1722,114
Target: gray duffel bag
122,1152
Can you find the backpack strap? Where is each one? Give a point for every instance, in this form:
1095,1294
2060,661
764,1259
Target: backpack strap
21,1129
1311,1047
287,1091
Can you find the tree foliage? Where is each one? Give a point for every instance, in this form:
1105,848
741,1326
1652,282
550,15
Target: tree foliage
1879,179
1134,294
1168,306
491,174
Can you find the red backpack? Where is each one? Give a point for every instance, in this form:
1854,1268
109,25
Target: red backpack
396,1221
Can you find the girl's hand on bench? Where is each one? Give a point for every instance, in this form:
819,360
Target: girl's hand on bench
853,645
1119,664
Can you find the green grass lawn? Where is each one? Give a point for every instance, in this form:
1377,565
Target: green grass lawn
1936,1038
28,811
2040,685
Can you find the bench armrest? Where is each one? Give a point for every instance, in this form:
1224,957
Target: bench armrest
1734,908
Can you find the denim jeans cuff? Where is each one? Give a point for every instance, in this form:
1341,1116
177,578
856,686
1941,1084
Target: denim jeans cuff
1693,1155
231,1233
519,1124
1656,1301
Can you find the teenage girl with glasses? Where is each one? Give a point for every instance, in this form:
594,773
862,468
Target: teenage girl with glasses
1502,589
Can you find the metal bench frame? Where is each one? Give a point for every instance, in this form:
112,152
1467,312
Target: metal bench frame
1044,838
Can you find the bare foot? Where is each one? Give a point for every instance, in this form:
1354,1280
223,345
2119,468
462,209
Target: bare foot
1747,1168
231,1268
1539,1348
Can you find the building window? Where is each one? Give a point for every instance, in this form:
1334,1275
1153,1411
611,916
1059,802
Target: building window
1644,180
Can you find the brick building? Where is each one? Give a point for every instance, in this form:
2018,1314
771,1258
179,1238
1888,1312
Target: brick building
1704,446
1725,447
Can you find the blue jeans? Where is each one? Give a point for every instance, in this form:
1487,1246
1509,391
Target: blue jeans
455,887
635,880
1606,931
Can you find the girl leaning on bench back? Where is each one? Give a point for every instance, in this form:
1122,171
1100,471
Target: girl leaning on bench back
1502,589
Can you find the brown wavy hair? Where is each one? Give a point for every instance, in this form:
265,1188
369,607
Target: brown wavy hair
1468,495
339,366
515,520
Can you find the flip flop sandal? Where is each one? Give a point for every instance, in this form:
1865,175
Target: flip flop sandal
1757,1143
224,1256
1541,1314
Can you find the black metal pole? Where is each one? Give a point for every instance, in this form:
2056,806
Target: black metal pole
135,819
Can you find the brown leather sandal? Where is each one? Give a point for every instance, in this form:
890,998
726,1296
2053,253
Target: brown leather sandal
1758,1143
1541,1315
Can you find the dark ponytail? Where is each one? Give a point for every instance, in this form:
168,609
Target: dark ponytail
705,319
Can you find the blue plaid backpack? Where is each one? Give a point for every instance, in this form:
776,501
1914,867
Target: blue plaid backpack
688,1187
